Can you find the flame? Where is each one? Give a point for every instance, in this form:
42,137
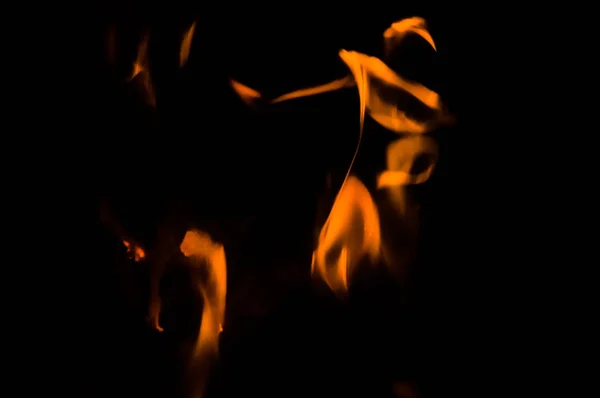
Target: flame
401,155
370,71
353,208
398,30
141,71
249,95
210,256
186,45
344,82
134,250
350,232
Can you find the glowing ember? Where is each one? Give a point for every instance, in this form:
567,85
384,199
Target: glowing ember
134,251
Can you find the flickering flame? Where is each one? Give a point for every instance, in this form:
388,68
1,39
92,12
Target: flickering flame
372,75
351,232
134,251
401,156
398,30
186,45
203,253
141,71
352,229
247,94
344,82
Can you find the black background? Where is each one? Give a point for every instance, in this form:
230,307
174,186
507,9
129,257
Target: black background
284,335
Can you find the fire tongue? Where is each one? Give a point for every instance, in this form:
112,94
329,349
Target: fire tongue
204,253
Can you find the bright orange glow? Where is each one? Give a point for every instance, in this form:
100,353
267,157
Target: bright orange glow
134,251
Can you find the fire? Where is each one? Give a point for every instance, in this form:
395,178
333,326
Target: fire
247,94
186,45
141,71
344,82
205,254
351,232
352,229
134,251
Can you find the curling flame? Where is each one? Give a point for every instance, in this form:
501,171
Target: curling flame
141,71
374,76
351,232
398,30
186,45
401,156
210,256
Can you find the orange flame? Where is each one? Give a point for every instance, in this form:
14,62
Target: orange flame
249,95
350,232
344,82
398,30
204,253
186,45
353,223
141,71
134,251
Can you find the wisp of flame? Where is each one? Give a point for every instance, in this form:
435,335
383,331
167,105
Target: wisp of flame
202,252
186,45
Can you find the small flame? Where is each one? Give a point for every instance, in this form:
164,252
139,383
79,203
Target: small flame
398,30
249,95
134,251
401,156
204,253
344,82
186,45
350,233
141,71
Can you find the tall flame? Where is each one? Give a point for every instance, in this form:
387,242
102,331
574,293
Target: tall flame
210,256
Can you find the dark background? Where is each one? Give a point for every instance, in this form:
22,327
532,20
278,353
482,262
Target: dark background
260,172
